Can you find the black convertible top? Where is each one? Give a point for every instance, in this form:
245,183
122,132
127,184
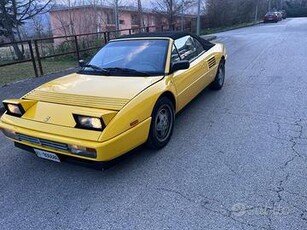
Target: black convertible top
173,35
168,34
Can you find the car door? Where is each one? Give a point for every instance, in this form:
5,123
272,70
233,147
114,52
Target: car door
191,81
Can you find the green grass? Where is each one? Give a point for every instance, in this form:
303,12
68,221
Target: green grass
22,71
225,28
52,66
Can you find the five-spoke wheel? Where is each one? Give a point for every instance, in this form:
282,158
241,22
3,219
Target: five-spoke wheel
162,123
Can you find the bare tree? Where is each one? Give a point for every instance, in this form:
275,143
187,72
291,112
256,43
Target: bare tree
14,13
171,8
38,26
87,16
296,8
67,22
221,13
80,16
116,9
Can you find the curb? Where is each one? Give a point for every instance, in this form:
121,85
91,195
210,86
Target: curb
235,28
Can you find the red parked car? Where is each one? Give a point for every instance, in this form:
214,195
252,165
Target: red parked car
270,17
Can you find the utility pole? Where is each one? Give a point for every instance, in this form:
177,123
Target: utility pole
270,1
182,15
116,14
171,16
256,13
198,18
140,11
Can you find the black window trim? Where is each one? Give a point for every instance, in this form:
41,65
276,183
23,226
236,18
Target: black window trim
176,51
193,59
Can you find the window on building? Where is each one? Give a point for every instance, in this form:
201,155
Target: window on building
122,22
145,20
134,20
110,18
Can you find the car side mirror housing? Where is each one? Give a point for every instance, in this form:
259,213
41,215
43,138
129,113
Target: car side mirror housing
180,65
81,63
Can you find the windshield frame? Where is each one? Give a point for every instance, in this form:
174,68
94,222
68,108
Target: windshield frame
120,74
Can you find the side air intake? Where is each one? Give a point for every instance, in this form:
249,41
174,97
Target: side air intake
211,62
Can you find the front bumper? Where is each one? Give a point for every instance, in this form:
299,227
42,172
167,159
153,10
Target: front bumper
105,151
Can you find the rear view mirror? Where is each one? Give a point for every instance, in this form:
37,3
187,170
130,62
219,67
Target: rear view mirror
81,63
180,65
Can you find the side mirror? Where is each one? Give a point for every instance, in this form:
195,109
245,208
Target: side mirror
179,65
81,63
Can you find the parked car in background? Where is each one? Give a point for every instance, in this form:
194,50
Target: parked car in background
279,15
284,14
270,17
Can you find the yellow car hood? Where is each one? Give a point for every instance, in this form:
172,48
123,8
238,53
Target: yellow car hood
102,92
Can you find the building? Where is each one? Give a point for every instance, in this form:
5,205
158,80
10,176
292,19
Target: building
67,21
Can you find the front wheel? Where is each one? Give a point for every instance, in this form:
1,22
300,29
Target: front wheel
218,82
162,124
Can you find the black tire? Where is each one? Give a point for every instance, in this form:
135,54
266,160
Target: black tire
219,79
162,124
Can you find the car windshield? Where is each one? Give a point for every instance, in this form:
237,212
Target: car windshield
130,58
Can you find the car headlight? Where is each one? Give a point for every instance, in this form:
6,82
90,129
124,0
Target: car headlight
14,109
92,123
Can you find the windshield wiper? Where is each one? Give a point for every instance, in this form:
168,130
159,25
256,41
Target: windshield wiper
96,68
127,70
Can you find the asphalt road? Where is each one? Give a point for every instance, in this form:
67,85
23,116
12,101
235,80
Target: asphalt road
237,159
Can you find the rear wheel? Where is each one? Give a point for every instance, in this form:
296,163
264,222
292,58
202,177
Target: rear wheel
162,124
218,82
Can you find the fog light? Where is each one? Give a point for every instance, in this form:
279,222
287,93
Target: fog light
82,151
9,133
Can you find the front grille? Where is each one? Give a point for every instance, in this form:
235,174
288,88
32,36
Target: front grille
42,142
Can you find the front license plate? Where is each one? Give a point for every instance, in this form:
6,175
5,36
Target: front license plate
47,155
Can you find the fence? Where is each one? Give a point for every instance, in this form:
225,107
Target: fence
37,50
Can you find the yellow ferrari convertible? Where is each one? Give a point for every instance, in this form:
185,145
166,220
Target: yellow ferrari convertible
125,96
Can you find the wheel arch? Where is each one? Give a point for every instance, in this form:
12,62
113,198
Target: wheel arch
170,96
223,59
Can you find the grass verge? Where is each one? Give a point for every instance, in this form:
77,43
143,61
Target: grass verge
25,70
226,28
